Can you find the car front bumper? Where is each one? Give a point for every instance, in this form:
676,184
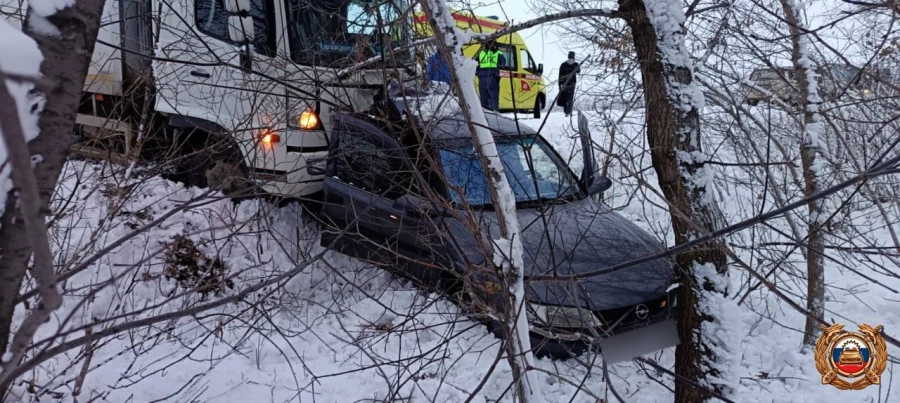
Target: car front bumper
611,322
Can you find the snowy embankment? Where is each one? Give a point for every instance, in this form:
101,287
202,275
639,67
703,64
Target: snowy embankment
772,367
340,331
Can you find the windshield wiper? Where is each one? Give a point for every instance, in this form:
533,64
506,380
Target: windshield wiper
544,201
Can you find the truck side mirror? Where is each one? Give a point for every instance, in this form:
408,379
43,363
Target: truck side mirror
237,6
240,29
240,25
540,69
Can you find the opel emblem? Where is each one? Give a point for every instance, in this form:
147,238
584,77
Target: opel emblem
641,311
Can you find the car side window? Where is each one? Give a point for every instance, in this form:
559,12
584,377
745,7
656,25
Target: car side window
509,53
211,18
526,59
365,162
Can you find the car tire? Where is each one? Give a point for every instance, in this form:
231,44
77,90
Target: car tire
538,105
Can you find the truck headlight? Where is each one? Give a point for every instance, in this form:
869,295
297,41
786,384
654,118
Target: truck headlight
308,120
562,317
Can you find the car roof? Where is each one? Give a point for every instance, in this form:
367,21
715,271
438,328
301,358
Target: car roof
454,127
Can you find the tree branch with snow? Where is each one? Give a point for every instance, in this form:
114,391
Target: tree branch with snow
508,250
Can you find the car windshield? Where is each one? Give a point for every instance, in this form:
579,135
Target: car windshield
341,32
547,179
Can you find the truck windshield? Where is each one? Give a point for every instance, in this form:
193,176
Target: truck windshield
464,171
338,33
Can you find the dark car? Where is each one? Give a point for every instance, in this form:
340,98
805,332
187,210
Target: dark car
385,201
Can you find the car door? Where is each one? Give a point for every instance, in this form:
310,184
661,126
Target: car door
366,172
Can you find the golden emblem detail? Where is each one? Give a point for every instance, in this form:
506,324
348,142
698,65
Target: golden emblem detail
851,370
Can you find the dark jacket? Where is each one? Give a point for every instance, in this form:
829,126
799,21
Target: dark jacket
437,69
567,74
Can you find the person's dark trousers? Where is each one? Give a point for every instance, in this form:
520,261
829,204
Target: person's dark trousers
566,99
494,98
489,88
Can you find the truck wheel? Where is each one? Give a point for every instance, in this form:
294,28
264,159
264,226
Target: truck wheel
218,169
537,106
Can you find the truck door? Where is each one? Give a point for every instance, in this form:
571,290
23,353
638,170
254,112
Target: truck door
216,61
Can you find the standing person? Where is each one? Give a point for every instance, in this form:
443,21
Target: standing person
568,71
437,69
489,61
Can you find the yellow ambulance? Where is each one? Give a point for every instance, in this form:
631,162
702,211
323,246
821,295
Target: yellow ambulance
522,86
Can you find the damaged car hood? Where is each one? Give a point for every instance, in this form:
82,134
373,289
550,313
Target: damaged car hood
584,236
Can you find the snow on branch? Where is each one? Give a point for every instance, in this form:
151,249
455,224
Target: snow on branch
668,20
813,129
508,249
582,13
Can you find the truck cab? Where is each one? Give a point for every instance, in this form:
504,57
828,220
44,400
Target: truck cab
235,87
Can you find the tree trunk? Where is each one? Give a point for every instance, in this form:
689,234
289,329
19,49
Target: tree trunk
673,132
508,252
809,148
66,58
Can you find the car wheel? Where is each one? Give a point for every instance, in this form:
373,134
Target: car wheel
537,107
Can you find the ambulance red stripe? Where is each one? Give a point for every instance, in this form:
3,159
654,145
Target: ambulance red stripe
470,20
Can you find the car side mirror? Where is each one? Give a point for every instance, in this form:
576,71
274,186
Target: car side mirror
540,69
600,185
240,29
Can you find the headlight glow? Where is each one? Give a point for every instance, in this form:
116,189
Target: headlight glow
308,120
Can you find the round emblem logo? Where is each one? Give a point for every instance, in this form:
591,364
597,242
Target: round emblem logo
851,360
641,311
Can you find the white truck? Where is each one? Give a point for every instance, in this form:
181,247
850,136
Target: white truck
260,79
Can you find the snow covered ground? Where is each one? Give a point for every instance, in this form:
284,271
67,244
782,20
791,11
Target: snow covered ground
339,331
